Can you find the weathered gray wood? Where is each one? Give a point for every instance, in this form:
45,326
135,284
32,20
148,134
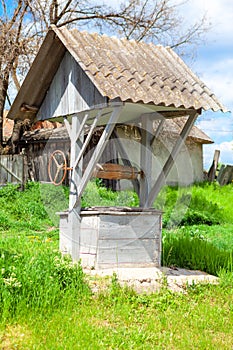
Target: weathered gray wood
71,91
12,168
125,158
170,161
87,140
109,239
157,132
74,211
213,168
226,175
98,151
135,252
123,227
145,160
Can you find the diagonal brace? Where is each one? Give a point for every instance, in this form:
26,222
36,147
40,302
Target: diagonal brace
98,151
170,161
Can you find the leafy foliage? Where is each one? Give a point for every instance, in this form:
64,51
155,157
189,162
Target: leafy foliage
199,204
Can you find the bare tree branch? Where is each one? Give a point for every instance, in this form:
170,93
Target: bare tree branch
24,23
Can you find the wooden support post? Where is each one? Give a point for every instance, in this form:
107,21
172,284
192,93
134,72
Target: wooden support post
125,158
214,165
145,160
170,161
97,153
74,211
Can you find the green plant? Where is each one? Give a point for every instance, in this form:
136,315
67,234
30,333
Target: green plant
35,277
195,253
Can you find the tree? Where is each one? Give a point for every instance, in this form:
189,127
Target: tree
24,24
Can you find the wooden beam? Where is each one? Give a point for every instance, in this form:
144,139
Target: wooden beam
83,121
145,159
74,220
86,143
214,165
170,161
125,158
11,173
159,128
98,152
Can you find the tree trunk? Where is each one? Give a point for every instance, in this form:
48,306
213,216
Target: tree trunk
4,83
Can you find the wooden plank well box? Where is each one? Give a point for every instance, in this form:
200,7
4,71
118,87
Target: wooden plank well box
115,237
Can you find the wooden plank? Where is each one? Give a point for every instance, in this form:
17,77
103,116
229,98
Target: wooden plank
113,171
120,252
159,128
87,140
98,151
213,168
125,158
71,91
11,172
170,161
145,160
226,176
129,227
74,211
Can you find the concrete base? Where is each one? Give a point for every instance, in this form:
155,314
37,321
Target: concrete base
115,237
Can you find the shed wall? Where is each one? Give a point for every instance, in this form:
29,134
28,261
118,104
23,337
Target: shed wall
188,167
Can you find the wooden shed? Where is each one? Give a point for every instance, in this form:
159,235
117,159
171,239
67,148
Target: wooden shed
40,143
91,80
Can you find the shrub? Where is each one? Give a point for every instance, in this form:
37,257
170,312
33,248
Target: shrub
190,206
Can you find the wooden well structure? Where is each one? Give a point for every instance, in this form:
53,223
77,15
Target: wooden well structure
88,80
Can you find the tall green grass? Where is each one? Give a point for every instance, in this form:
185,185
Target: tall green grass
194,253
34,276
46,302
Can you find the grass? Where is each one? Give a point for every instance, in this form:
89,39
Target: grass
121,319
46,302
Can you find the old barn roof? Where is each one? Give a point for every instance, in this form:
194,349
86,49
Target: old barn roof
171,127
120,69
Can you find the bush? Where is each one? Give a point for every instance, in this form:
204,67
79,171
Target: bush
190,206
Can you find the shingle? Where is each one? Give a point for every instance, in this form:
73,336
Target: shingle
138,72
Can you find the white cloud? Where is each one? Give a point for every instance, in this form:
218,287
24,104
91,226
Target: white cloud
226,153
219,14
218,76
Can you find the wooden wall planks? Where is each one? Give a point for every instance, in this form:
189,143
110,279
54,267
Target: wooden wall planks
71,91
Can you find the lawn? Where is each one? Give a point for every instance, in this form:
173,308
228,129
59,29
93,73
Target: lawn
46,301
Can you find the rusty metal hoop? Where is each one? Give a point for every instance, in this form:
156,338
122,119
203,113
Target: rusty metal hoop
58,161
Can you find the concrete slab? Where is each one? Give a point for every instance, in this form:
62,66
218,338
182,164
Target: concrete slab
151,279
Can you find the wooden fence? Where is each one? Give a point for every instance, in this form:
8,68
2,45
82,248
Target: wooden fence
13,169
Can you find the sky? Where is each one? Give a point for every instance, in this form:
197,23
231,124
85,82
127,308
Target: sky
213,63
214,66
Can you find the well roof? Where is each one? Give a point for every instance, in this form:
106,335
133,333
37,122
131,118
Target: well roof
129,71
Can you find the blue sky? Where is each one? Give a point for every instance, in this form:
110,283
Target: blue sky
214,65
